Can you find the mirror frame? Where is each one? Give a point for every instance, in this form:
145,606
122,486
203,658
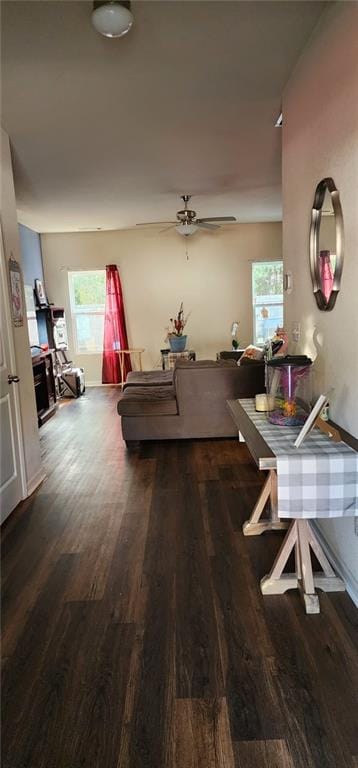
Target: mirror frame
316,214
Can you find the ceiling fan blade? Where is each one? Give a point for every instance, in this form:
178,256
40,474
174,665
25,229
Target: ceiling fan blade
154,223
216,218
206,225
166,228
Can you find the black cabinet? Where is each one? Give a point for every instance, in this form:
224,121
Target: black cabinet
45,390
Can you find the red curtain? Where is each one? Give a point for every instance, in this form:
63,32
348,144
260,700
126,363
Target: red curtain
115,333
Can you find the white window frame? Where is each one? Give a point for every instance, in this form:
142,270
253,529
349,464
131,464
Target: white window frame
85,310
267,303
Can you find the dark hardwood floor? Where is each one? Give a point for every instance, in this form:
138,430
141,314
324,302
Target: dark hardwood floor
134,631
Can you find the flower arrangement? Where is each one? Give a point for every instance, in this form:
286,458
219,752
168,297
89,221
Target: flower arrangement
178,323
288,411
290,376
234,339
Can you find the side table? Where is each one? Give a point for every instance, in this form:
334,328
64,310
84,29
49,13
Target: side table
230,354
169,358
136,352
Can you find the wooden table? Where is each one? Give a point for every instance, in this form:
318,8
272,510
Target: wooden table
300,537
265,459
137,352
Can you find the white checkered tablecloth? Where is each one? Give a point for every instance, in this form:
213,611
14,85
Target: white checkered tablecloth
319,479
174,356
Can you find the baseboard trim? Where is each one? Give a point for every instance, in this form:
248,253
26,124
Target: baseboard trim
340,568
99,384
35,481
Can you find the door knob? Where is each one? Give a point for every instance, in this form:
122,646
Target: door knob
12,379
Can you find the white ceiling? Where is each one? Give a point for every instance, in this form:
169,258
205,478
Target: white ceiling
107,133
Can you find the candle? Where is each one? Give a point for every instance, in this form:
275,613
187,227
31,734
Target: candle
264,402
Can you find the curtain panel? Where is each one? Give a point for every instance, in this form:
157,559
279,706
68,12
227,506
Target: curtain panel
115,332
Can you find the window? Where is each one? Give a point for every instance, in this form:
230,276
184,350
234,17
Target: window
267,298
87,297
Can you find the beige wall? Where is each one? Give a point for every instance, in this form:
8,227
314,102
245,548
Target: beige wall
320,138
10,231
215,283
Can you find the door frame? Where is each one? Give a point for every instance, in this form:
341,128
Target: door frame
12,361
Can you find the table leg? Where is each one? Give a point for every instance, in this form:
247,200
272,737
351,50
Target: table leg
254,526
121,365
306,580
301,536
297,560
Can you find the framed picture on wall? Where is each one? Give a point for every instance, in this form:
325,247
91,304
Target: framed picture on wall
40,293
16,293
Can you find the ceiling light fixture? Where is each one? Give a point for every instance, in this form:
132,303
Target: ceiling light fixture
186,229
112,19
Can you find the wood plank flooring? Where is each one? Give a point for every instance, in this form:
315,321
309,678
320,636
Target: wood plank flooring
134,631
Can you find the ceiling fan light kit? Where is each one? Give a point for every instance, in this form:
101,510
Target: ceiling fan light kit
112,19
186,229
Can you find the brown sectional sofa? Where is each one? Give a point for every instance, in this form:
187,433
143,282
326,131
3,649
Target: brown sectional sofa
155,405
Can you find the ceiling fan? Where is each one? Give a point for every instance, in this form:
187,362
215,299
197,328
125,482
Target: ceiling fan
187,222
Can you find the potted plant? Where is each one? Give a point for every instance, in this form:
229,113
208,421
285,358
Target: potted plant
234,340
177,340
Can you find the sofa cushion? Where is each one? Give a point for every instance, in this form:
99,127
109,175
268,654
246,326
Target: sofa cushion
148,401
148,379
249,361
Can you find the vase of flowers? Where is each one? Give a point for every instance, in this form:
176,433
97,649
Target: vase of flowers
175,336
177,343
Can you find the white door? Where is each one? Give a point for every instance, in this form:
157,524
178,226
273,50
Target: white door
11,458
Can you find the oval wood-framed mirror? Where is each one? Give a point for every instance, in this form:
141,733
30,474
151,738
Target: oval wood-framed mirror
326,244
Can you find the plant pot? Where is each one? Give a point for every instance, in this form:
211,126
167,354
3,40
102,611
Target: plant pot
177,343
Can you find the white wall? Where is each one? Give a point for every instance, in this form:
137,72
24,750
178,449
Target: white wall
320,138
215,283
10,230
